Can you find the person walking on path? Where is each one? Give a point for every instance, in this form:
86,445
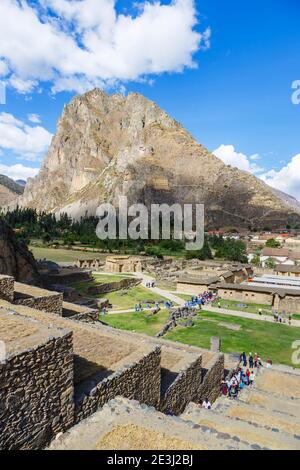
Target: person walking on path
251,361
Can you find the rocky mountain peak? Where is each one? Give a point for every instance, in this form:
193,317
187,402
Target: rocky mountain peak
108,145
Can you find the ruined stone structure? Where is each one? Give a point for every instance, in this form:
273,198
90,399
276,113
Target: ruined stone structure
124,264
207,276
94,264
265,417
27,295
58,371
282,299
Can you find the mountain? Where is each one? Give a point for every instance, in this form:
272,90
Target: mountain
106,146
289,200
9,190
15,258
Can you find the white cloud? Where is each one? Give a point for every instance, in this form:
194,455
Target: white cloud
3,68
287,179
230,156
35,118
18,171
84,43
27,142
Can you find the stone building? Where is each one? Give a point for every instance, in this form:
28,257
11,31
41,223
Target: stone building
124,264
196,282
286,270
280,298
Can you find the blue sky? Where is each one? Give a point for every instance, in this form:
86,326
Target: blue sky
231,86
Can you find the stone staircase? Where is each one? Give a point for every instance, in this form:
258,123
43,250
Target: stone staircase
127,425
267,415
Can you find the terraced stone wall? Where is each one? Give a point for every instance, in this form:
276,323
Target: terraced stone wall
36,394
49,303
137,381
7,288
183,390
212,377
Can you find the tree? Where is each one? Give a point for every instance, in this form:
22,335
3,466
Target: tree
272,243
256,260
270,263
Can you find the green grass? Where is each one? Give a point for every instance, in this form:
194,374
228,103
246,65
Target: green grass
138,322
251,308
126,299
63,255
267,339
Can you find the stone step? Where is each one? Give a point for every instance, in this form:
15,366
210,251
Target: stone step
259,416
271,402
280,384
262,438
126,425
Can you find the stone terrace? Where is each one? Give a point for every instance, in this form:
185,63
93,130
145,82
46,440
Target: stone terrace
99,354
36,382
266,415
104,362
126,425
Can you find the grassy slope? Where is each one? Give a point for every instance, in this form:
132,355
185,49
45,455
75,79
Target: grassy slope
267,339
63,255
138,321
126,299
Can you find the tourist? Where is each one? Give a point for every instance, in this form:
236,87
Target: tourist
251,361
206,404
233,392
269,363
244,359
252,377
224,388
260,312
242,385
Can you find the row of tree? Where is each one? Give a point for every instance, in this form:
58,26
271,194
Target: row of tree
30,224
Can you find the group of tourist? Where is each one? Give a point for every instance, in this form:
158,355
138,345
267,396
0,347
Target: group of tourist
239,380
150,284
281,318
200,300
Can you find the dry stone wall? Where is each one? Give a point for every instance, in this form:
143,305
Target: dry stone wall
138,381
183,390
113,286
49,303
211,379
7,288
36,394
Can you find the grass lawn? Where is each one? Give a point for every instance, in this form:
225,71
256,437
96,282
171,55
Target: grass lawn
63,255
251,308
126,299
138,322
267,339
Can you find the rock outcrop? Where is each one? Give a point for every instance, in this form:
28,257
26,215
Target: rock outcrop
9,191
106,146
15,258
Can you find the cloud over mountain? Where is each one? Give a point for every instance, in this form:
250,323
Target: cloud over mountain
79,44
